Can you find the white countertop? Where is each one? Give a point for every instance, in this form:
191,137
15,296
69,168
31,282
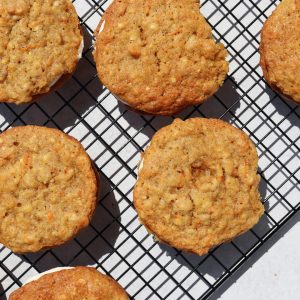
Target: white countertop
272,273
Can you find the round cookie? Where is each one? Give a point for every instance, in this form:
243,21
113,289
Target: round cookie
40,45
198,184
280,49
48,188
71,284
158,57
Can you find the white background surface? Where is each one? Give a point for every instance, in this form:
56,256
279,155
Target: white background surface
275,274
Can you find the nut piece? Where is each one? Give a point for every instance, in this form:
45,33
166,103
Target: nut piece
134,50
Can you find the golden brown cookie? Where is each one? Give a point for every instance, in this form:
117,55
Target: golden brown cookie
48,188
280,49
198,184
72,284
40,45
158,56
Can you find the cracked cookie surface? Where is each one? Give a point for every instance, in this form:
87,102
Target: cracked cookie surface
73,284
198,184
39,42
280,49
48,188
158,56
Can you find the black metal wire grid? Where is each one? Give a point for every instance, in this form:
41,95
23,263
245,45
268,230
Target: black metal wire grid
116,242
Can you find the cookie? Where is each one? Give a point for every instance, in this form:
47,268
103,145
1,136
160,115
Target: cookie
71,284
40,45
280,49
198,185
48,188
158,56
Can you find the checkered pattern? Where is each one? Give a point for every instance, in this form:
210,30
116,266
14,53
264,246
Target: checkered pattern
115,242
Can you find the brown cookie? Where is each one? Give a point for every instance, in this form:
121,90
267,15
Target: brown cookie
48,188
280,49
71,284
198,184
158,56
40,45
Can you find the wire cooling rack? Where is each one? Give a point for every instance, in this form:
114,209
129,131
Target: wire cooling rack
116,242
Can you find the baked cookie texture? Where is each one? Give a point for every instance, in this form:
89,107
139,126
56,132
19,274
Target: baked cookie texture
48,188
198,185
39,44
73,284
158,56
280,49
